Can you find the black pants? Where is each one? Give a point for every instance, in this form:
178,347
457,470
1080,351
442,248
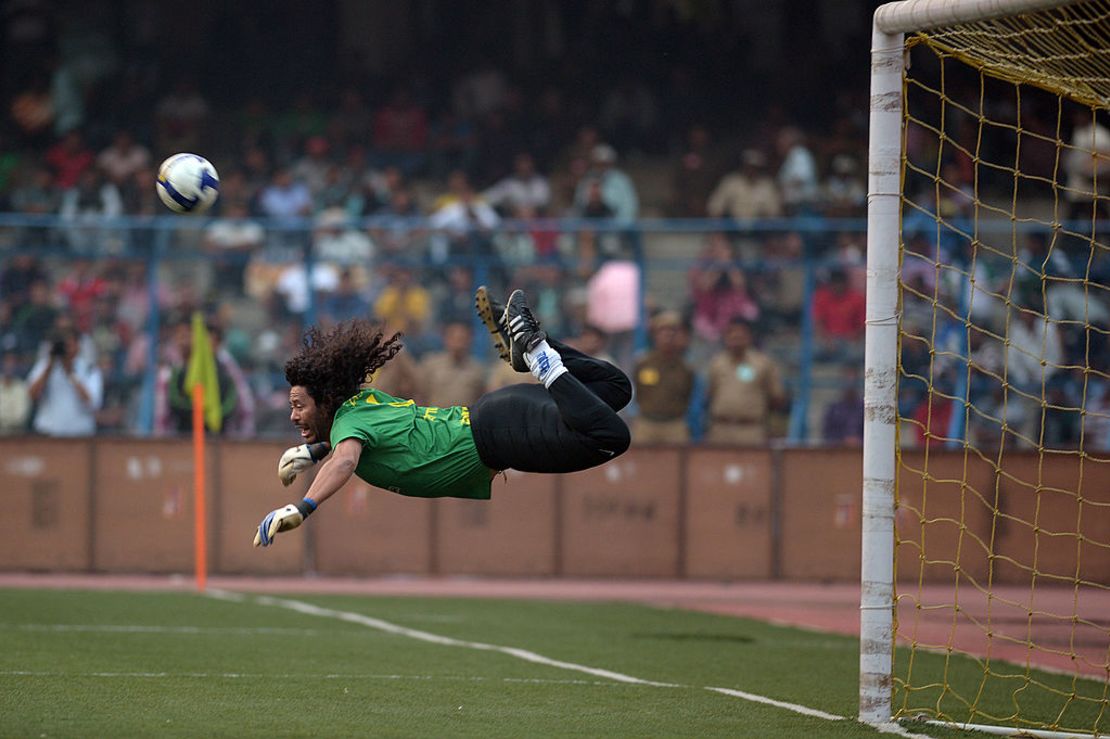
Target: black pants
570,426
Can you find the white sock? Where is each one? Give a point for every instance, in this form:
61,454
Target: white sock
545,363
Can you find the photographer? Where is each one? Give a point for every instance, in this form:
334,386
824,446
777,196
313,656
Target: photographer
66,388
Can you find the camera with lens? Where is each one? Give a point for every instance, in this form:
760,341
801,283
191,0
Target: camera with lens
58,346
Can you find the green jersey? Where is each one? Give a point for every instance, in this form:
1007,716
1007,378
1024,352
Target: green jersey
411,450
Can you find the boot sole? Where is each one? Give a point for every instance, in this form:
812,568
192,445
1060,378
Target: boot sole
485,312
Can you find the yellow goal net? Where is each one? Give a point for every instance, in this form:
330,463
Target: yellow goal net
986,555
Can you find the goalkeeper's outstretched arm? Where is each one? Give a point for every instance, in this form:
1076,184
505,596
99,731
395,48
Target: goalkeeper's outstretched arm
333,475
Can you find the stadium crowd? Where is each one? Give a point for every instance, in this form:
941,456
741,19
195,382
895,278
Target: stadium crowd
405,202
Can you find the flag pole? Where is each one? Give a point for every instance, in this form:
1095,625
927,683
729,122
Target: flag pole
200,527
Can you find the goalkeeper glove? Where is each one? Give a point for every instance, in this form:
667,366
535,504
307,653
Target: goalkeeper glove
297,459
282,519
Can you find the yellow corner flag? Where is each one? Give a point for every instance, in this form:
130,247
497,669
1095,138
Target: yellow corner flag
202,371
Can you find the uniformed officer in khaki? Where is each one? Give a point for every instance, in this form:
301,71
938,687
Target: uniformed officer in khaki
452,376
744,387
664,384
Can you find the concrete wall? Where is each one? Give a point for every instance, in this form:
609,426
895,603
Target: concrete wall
109,505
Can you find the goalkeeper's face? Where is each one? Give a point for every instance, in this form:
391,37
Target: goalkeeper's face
305,415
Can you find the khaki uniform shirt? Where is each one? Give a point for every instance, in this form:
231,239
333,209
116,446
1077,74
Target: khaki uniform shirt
503,375
663,387
740,397
445,382
645,431
398,377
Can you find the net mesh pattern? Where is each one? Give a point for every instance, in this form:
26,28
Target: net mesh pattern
1003,508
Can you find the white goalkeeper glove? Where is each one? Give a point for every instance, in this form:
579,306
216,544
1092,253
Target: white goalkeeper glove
282,519
297,459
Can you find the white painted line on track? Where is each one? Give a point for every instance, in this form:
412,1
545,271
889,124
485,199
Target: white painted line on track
529,656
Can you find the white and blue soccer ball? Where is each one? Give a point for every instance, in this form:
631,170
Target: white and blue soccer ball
188,183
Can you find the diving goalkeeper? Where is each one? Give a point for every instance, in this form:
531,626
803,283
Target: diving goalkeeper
567,423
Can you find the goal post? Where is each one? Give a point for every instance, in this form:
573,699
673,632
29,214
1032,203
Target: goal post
985,553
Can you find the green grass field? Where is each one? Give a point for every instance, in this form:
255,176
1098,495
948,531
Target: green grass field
113,664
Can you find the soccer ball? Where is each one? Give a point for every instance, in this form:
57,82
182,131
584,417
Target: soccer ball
188,183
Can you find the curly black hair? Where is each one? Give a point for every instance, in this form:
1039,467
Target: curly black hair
332,366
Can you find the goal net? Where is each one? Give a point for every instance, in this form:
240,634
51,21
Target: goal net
986,555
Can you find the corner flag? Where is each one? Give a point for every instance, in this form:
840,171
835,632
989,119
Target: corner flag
202,371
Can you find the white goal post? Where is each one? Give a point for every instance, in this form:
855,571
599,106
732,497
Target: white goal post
886,172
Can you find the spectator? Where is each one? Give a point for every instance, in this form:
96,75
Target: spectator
839,311
178,398
452,376
36,195
85,205
482,90
351,123
399,377
406,306
594,205
32,109
120,161
336,189
140,198
67,389
284,197
20,272
629,114
241,422
68,159
523,188
346,302
401,132
718,291
293,284
1087,163
32,320
593,341
664,385
1047,266
844,192
181,117
613,305
81,288
15,397
336,242
465,220
616,188
1036,351
956,198
797,175
694,175
744,387
453,144
394,233
457,301
747,193
230,241
312,168
842,423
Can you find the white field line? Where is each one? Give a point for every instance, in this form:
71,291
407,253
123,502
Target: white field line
529,656
138,629
307,676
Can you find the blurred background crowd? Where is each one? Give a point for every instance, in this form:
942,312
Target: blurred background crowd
384,173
